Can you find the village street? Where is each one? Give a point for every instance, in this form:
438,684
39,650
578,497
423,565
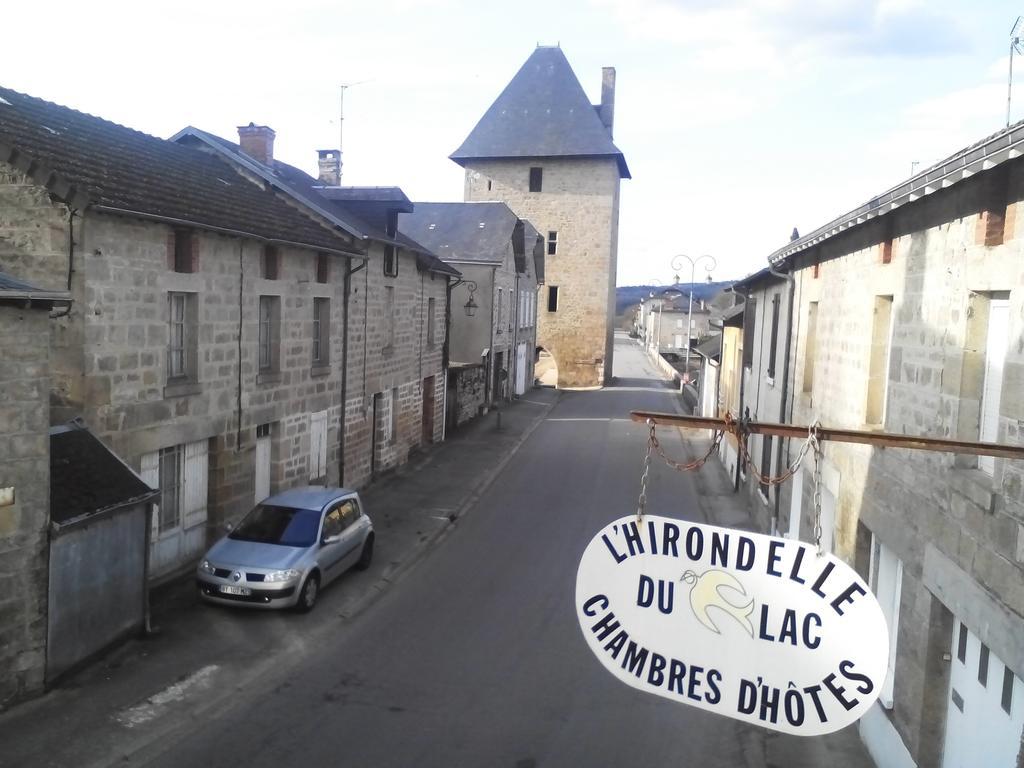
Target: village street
472,657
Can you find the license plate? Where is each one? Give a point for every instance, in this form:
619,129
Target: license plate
229,590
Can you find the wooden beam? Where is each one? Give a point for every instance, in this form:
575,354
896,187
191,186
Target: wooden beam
877,439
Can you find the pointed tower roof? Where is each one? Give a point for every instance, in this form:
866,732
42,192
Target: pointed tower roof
543,112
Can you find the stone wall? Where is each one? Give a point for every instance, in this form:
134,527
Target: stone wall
579,201
24,468
948,522
469,391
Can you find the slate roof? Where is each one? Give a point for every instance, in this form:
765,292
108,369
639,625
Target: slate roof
11,288
108,166
712,347
86,477
340,205
543,112
462,231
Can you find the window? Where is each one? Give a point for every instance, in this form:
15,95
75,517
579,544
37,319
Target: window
749,320
391,228
270,333
810,344
171,460
536,179
552,298
321,331
389,316
552,243
498,315
815,270
961,645
271,262
983,666
340,518
1007,698
431,303
774,338
679,323
885,249
390,261
488,185
323,268
183,251
181,345
878,368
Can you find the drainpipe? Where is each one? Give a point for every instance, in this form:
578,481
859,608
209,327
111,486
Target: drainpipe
788,277
743,386
514,367
489,367
346,293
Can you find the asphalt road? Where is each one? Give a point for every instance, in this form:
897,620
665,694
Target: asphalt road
476,658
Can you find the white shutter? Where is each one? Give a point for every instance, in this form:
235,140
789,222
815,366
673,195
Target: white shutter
887,579
194,483
995,353
262,468
150,473
317,445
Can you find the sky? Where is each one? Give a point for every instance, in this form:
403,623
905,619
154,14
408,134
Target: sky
739,120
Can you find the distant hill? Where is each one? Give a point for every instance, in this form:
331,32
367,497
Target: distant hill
626,295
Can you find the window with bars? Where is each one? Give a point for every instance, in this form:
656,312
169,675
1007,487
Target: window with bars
321,331
552,242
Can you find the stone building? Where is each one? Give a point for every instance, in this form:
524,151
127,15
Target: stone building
24,481
547,152
218,333
396,304
499,256
906,318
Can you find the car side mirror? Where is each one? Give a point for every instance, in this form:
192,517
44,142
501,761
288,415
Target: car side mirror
228,527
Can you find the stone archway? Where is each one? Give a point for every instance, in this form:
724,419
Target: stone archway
545,367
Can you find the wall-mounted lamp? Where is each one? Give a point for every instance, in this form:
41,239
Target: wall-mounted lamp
470,306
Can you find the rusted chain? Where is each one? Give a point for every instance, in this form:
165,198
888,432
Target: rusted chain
679,466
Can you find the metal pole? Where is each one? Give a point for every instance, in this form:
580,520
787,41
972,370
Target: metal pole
1009,84
878,439
689,325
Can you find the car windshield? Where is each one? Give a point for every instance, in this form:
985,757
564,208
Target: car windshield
270,524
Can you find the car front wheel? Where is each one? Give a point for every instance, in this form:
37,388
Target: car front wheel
366,557
309,593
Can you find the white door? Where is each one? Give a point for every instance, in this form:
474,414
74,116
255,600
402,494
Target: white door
886,578
262,465
521,369
828,519
178,531
995,353
985,709
677,341
317,445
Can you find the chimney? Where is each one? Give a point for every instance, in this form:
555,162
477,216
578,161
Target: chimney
607,110
257,141
330,166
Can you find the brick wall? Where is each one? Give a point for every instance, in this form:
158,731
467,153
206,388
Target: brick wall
25,467
580,201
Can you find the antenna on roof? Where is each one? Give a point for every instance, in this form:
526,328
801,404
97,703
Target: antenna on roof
341,120
1015,46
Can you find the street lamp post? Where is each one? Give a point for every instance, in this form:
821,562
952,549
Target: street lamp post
677,263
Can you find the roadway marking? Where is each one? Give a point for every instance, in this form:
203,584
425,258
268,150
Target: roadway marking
153,706
591,419
532,402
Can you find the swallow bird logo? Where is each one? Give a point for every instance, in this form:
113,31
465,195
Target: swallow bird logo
706,591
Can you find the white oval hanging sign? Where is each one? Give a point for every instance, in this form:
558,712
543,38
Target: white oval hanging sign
754,627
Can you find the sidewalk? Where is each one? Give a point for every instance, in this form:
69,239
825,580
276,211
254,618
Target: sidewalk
199,656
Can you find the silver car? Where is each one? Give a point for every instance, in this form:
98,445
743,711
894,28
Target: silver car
287,548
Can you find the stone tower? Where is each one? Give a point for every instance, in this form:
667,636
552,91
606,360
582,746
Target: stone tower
546,151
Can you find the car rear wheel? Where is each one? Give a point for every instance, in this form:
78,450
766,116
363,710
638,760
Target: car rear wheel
309,593
366,557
